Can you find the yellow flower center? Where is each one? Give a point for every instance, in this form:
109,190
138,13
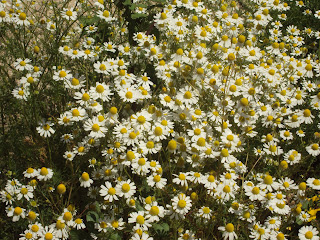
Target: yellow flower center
34,228
106,13
78,221
140,219
103,225
24,191
60,225
69,13
75,113
268,180
75,82
112,191
201,142
206,210
22,16
316,182
157,178
125,187
129,95
85,176
44,171
100,89
227,189
141,119
154,211
224,152
48,236
115,224
141,161
132,135
172,145
95,127
187,95
67,216
62,74
182,203
308,235
46,127
229,227
255,190
17,211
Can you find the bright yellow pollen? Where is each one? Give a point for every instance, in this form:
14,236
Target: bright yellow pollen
224,152
112,191
268,180
172,145
154,211
22,16
229,227
157,178
125,187
44,171
75,113
140,219
75,82
48,236
85,176
227,189
308,235
201,142
187,95
141,119
129,95
182,203
106,13
95,127
69,13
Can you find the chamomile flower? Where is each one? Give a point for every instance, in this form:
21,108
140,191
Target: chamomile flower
69,155
101,91
69,14
25,192
156,180
228,232
116,224
254,193
126,189
16,213
308,233
313,149
85,180
48,232
105,15
108,192
313,183
45,129
140,219
181,204
62,75
21,92
30,173
78,224
205,212
96,127
140,166
180,179
286,135
44,174
23,64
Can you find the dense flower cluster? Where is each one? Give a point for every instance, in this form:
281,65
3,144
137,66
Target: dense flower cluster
197,127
